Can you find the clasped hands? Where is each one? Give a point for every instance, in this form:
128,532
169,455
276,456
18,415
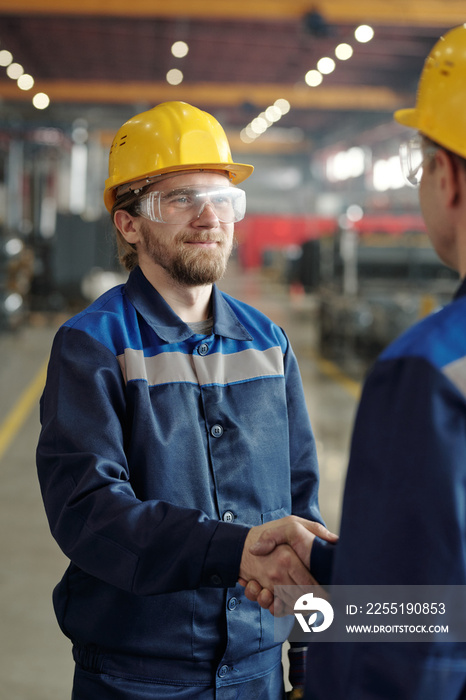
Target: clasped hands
278,553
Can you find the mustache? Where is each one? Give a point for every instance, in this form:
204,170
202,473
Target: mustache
201,238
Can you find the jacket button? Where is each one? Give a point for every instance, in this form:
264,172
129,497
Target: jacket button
203,349
232,603
228,516
216,431
216,580
222,671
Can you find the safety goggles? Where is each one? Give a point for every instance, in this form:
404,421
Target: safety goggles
183,205
413,154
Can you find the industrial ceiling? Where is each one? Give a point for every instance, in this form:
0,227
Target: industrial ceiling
104,61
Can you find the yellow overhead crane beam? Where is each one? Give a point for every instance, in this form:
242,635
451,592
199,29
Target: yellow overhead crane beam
300,97
392,12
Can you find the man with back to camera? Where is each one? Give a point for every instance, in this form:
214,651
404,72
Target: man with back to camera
404,507
173,428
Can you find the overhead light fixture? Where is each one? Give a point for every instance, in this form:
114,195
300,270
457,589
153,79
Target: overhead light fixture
273,114
316,25
326,65
180,49
14,71
364,33
313,78
6,57
283,105
25,81
174,76
41,100
264,120
343,52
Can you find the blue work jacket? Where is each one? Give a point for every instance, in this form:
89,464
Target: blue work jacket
404,511
159,449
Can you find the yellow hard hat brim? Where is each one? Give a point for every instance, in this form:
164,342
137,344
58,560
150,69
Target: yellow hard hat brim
407,117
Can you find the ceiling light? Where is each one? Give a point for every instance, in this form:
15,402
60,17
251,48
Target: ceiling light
264,116
245,137
6,57
14,71
25,81
363,33
264,120
283,105
180,49
273,114
259,125
343,52
174,76
41,100
313,78
326,65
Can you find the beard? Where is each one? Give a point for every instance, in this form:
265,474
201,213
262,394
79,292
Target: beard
186,264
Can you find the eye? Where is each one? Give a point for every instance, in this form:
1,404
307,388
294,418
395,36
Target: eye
180,199
221,200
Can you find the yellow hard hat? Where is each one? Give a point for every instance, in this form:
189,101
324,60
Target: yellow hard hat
172,137
440,111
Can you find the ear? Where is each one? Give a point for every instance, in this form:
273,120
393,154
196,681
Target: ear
126,225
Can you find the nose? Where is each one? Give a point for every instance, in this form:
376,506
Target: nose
207,215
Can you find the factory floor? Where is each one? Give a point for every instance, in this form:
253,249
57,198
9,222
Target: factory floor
35,658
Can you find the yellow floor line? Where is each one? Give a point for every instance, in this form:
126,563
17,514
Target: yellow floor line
21,410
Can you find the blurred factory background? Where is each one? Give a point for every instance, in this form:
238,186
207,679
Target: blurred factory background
306,93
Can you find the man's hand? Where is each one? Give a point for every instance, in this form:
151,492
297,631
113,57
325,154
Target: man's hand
285,537
272,561
299,533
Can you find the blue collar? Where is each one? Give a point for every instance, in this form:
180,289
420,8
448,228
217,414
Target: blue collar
167,324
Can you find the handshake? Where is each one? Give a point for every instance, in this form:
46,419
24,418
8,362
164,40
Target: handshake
279,554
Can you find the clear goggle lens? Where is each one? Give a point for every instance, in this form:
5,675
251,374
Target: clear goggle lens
413,154
186,204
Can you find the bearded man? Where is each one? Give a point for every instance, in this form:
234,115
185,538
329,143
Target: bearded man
174,428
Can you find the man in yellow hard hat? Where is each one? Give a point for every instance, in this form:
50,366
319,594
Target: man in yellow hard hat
174,428
403,528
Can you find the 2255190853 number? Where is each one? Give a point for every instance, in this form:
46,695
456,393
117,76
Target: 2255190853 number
405,609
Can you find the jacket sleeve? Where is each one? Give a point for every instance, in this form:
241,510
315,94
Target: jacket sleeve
402,524
145,547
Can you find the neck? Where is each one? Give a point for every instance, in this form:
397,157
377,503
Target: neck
190,303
